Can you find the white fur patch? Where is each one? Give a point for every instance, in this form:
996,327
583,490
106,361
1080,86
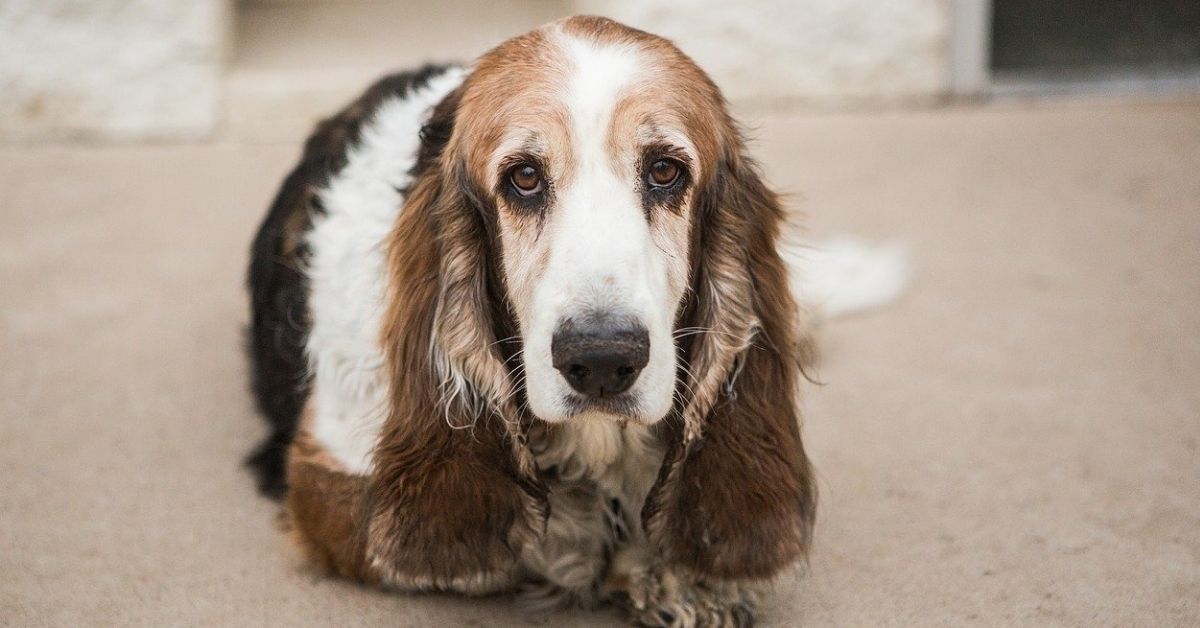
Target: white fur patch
346,274
845,275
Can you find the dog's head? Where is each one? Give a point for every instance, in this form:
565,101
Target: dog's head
586,236
589,150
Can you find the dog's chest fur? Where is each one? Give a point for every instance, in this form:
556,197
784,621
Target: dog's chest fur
598,473
622,460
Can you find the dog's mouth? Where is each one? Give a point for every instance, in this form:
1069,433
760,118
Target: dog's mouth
625,406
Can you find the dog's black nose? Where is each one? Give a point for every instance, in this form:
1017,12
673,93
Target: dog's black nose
602,359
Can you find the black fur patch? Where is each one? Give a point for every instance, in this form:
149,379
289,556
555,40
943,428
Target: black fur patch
278,288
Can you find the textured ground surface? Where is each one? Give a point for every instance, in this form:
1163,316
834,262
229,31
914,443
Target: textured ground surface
1016,442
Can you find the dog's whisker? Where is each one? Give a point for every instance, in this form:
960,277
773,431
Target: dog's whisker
508,339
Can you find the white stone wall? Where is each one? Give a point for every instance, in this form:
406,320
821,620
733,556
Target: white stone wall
156,69
810,52
111,69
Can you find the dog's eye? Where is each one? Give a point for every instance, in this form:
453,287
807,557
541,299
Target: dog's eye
526,179
663,173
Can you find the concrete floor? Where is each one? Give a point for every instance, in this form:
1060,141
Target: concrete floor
1016,442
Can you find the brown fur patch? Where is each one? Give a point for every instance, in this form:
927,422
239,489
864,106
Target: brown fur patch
326,508
514,86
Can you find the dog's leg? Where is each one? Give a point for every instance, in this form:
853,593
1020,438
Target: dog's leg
653,595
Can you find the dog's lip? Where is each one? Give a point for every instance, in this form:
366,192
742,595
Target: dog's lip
623,406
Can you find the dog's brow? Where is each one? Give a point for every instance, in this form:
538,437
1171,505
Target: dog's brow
523,141
534,145
652,132
672,141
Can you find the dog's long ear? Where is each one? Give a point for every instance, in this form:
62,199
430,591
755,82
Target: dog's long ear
735,497
453,495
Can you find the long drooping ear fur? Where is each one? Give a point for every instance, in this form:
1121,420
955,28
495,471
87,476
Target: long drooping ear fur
735,498
454,494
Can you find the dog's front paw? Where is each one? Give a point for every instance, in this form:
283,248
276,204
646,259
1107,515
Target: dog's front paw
656,597
695,607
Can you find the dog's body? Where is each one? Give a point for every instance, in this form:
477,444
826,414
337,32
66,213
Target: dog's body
400,304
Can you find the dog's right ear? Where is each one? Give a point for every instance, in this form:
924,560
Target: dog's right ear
735,498
453,495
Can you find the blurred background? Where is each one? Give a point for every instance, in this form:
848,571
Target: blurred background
1014,442
155,69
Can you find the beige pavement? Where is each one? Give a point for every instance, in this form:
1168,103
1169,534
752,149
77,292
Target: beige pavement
1016,442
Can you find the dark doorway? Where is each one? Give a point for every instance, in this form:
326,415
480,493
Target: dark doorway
1080,38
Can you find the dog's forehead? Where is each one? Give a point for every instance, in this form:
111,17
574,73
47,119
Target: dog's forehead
587,77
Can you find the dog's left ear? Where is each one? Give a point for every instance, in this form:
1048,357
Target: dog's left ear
735,498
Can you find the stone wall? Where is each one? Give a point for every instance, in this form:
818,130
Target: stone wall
111,69
811,52
156,69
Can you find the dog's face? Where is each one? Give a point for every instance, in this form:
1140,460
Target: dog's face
591,151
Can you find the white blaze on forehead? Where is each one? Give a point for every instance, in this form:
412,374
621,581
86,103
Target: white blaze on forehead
598,76
599,218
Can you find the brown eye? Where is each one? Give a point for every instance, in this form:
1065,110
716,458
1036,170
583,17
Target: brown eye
663,173
526,180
